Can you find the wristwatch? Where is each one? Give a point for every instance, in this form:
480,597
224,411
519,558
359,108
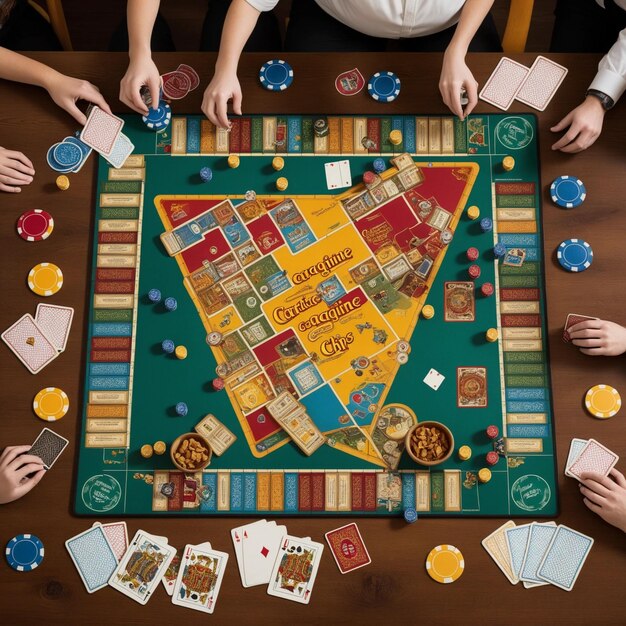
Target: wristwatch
606,101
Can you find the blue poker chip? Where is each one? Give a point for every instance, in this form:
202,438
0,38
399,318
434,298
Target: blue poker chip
181,409
167,345
24,552
384,86
67,154
574,255
158,118
499,250
568,192
410,515
171,304
54,164
154,295
276,75
379,165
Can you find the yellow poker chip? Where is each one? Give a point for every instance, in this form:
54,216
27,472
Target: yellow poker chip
51,404
445,564
45,279
603,401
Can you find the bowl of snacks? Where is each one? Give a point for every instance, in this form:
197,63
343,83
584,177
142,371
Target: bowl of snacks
429,443
191,452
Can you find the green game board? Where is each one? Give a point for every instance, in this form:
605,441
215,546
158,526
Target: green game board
131,386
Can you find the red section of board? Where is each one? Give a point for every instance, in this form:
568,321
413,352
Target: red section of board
235,135
520,320
304,491
369,491
318,491
111,343
246,134
383,224
357,491
110,356
212,247
110,286
263,427
115,273
268,352
123,237
526,295
373,132
265,234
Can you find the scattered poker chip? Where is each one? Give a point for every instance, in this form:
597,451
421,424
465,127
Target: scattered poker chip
168,346
250,195
54,164
568,192
51,404
403,346
45,279
214,338
35,225
158,118
276,75
379,165
492,458
446,236
402,358
181,409
24,552
445,564
410,515
574,255
362,362
154,295
206,174
171,304
67,154
603,401
384,86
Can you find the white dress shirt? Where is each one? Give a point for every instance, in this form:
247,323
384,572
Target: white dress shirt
611,76
390,19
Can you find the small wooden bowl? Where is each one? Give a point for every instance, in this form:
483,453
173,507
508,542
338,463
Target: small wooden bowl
179,442
439,426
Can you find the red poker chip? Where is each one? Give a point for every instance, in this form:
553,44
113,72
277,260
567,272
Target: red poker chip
486,289
472,254
191,74
474,271
492,431
176,85
35,225
218,384
492,458
369,177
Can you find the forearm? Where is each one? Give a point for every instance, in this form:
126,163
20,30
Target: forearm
472,16
14,66
140,15
239,24
611,76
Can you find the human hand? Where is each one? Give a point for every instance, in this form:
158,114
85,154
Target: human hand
66,91
606,496
585,126
141,71
15,169
599,337
454,75
223,87
15,466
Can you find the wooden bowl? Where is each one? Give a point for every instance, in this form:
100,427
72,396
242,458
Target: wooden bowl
178,443
439,426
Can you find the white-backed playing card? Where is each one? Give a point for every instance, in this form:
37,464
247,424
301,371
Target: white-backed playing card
498,550
101,130
29,344
575,448
260,547
594,457
538,541
238,534
121,151
55,322
544,78
93,557
434,379
338,174
503,84
516,539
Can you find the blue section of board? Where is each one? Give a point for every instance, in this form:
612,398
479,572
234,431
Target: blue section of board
408,490
249,491
294,134
291,492
108,383
109,369
409,134
236,491
108,329
193,135
525,393
209,479
527,407
527,430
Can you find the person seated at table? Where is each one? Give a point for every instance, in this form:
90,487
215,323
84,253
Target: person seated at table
591,26
599,337
16,169
606,496
19,472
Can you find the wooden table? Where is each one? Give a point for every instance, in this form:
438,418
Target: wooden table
396,586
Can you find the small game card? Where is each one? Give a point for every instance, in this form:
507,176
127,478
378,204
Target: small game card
539,539
504,82
259,547
55,322
434,379
540,85
171,574
575,448
117,536
30,344
348,548
101,130
215,433
594,457
498,550
48,447
338,174
121,151
238,535
571,320
516,540
93,557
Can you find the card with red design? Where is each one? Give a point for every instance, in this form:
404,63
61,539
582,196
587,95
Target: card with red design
348,548
594,457
571,320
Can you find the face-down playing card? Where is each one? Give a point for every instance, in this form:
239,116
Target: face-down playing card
594,457
93,557
30,344
48,447
348,548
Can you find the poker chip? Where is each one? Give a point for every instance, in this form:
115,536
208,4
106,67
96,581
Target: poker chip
603,401
24,552
445,564
158,118
384,86
403,346
574,255
51,404
362,362
45,279
214,338
568,192
276,75
402,358
35,225
67,154
54,164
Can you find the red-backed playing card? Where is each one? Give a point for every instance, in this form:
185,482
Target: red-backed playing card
571,320
348,548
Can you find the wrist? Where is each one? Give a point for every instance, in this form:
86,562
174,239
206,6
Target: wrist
48,78
456,50
599,100
139,52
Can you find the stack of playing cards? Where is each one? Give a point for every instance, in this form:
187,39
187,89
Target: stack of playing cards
338,174
539,553
38,341
533,86
571,320
587,455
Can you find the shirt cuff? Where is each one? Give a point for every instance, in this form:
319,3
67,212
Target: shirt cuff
610,83
262,5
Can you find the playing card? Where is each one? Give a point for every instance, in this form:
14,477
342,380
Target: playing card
48,447
93,557
564,557
142,567
348,548
117,536
295,569
504,82
199,578
516,539
594,457
498,550
539,539
540,85
121,151
575,448
171,574
237,535
55,322
434,379
338,174
30,344
101,130
571,320
260,546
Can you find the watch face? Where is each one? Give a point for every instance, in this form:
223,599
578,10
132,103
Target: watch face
605,100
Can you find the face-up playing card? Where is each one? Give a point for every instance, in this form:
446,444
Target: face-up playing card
260,546
295,569
594,457
571,320
498,550
503,84
121,151
101,130
434,379
199,578
539,539
348,548
338,174
30,344
93,557
516,539
48,447
171,574
55,322
142,567
543,80
117,536
238,534
564,558
575,448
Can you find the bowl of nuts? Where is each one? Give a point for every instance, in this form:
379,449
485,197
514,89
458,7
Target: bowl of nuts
429,443
191,452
